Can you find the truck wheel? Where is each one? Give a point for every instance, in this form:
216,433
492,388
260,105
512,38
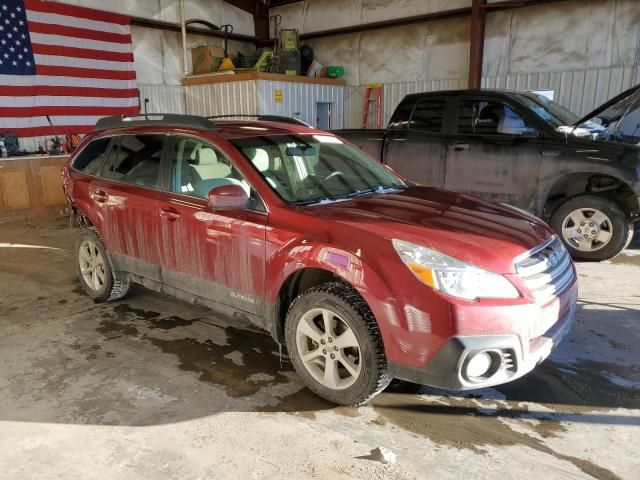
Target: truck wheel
335,344
592,228
94,269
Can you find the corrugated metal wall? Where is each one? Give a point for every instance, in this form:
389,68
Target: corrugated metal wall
222,98
163,98
299,100
578,90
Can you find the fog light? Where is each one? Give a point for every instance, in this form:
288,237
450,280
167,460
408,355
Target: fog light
479,365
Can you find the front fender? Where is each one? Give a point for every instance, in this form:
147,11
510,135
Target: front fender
351,268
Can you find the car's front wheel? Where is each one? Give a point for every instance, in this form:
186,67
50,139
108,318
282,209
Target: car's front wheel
335,345
592,228
94,269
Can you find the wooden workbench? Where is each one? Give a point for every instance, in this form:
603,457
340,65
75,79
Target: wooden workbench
31,186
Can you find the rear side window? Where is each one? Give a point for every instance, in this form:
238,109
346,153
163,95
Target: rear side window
428,115
136,160
402,115
91,157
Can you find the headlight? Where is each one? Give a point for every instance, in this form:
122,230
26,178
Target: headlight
451,276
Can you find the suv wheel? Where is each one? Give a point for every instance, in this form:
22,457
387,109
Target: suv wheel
335,344
94,269
592,228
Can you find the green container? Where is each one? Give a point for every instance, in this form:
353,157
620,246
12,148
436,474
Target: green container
334,71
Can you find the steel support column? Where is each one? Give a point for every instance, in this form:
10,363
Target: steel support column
476,42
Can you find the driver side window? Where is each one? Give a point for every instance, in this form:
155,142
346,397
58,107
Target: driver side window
197,167
490,118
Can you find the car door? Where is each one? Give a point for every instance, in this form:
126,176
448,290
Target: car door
415,143
128,192
216,255
494,152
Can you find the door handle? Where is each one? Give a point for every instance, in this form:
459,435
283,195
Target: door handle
170,213
459,147
100,196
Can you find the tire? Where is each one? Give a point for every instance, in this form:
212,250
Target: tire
579,217
94,270
348,313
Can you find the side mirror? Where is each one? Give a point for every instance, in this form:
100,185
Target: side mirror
228,197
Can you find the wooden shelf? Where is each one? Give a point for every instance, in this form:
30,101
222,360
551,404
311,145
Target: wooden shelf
207,78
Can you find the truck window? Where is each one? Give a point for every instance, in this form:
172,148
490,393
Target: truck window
428,115
402,115
482,117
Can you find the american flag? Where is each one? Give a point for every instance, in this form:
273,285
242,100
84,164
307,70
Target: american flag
71,63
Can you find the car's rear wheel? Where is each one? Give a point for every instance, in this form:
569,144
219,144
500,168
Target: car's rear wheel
335,345
592,228
94,269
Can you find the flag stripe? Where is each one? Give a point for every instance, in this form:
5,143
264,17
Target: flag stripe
73,101
82,33
58,120
42,131
81,53
11,112
32,80
84,63
73,11
67,21
61,40
84,72
49,90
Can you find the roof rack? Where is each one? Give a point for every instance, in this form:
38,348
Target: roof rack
151,119
265,118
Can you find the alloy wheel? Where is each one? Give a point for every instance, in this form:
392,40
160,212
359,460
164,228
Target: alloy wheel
328,348
587,229
92,266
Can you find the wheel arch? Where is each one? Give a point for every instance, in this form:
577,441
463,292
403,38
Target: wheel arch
573,184
321,264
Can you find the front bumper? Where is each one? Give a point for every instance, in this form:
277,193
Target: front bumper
447,368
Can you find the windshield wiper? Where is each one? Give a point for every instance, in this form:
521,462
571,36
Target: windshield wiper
376,189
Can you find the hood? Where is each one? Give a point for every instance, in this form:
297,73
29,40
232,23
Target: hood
484,234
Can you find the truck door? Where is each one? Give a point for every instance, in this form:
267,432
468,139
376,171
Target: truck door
494,152
415,144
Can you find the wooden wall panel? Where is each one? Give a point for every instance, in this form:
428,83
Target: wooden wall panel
52,193
15,192
31,186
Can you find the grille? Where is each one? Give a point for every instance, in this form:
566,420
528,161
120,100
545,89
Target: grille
546,271
509,360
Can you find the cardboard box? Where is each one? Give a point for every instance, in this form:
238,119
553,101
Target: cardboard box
206,58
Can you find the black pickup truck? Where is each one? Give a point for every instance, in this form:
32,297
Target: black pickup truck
520,148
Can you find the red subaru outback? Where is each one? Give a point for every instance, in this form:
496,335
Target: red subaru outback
361,274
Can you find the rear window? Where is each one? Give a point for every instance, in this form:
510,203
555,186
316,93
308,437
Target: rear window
137,160
428,115
91,157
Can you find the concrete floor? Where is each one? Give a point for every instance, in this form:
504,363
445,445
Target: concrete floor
149,387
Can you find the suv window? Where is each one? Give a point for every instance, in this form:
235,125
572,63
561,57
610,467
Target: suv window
137,160
197,167
490,118
91,158
428,115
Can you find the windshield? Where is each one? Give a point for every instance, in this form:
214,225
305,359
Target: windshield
306,169
620,122
549,111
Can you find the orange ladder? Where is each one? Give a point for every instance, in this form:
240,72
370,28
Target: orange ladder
372,94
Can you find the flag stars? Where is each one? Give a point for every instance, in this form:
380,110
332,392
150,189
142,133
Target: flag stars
15,29
28,64
11,49
20,57
4,7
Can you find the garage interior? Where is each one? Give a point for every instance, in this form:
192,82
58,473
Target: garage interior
152,387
